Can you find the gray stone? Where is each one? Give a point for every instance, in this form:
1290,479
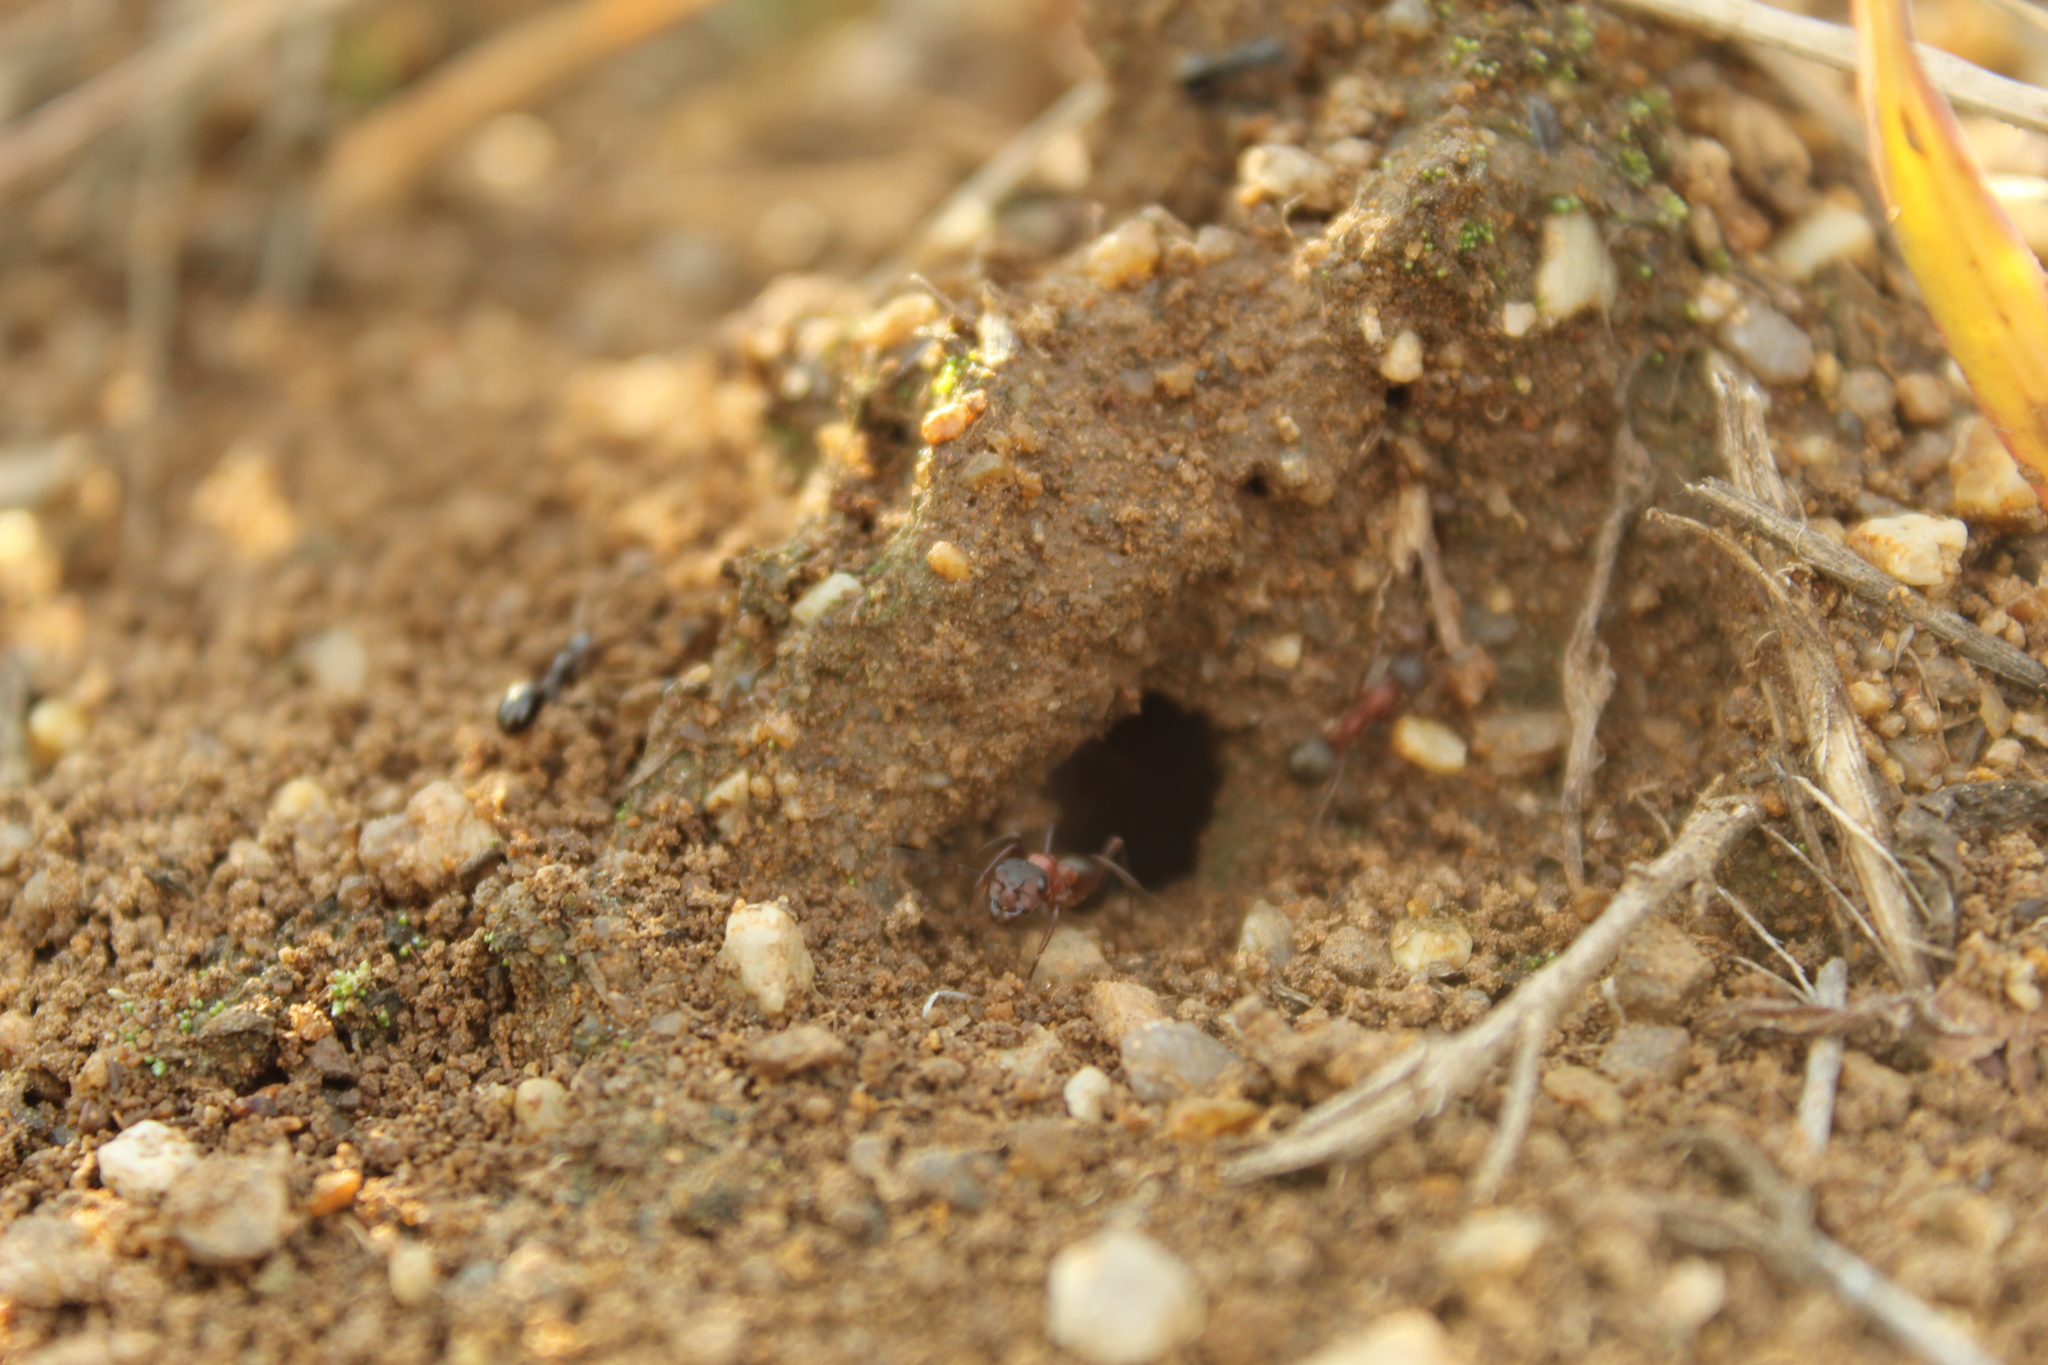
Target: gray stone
1773,346
950,1173
1867,392
1163,1061
1660,972
1120,1298
231,1210
1647,1054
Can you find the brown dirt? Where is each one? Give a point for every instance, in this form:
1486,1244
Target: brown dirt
502,422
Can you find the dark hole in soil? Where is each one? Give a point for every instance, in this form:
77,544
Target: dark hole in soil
1256,486
1152,779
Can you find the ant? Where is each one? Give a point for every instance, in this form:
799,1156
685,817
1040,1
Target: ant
521,704
1019,882
1378,698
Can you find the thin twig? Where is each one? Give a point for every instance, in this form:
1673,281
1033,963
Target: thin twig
1840,897
1518,1103
1804,987
1823,1062
379,159
1874,585
1967,86
1588,677
1422,1080
130,90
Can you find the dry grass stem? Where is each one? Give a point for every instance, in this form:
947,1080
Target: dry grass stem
1588,677
1874,585
1517,1104
132,89
1419,1083
378,160
1967,86
1834,737
1823,1062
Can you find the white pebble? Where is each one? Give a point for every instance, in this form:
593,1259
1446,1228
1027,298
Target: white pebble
1409,1337
1716,300
735,792
827,593
1283,651
1692,1293
299,799
1431,945
540,1106
1576,272
1119,1298
1517,318
146,1160
338,662
412,1274
56,726
1280,174
1408,18
1402,364
1164,1060
1497,1244
1773,346
1124,256
1430,745
1087,1093
1988,484
1831,232
765,954
439,834
230,1210
1914,548
1265,942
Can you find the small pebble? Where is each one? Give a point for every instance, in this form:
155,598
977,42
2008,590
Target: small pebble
1430,745
15,840
1119,1298
1431,945
1215,242
1580,1087
1312,762
1497,1244
230,1210
1576,272
1521,743
1409,18
1070,957
541,1106
1693,1291
1033,1064
299,800
1830,233
146,1160
1402,363
948,561
1660,972
765,954
1265,941
1117,1007
1923,551
896,321
438,836
1123,256
1925,399
1647,1054
338,662
57,726
804,1047
1046,1148
1282,651
1408,1337
1517,318
333,1191
949,421
734,792
1867,392
827,593
413,1274
1773,346
47,1261
1988,485
952,1174
1162,1060
1195,1117
1276,173
1352,954
1087,1094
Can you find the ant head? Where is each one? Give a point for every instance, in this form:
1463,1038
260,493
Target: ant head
1015,887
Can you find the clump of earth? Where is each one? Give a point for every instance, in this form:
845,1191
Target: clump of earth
340,1021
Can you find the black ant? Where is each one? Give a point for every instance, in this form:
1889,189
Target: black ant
521,704
1019,882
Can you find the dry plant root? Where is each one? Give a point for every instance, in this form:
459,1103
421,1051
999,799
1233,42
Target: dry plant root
1422,1081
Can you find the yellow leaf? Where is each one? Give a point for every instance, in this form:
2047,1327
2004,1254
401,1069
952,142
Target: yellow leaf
1983,286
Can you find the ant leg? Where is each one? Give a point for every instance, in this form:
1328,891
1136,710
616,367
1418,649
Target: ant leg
1329,792
1008,848
1107,861
1052,922
1048,837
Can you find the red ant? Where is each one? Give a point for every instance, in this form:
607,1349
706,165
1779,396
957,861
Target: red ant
1039,881
1376,701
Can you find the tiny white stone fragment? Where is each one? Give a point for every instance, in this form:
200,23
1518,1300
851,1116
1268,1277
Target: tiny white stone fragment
765,954
1277,173
146,1160
1517,318
1914,548
1692,1293
1431,945
412,1274
1124,256
1087,1093
1496,1244
1576,272
827,593
1988,484
1119,1298
1409,1337
1430,745
540,1106
1829,233
1266,939
1402,364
